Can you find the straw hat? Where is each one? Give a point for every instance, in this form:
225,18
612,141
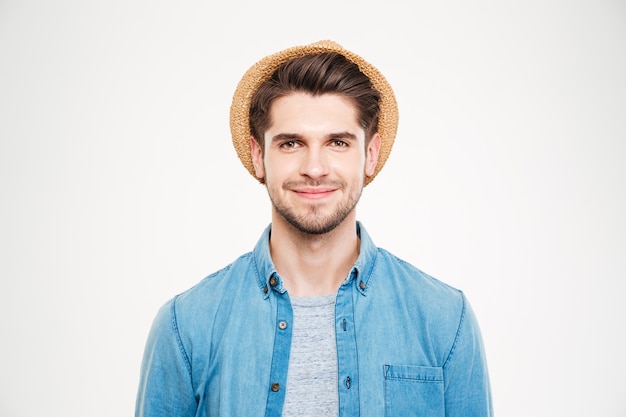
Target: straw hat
263,70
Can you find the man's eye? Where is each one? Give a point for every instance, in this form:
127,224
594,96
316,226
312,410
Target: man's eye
339,144
289,145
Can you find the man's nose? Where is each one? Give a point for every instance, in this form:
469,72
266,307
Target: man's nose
314,163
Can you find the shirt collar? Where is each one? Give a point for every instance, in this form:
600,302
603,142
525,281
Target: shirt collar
268,278
364,265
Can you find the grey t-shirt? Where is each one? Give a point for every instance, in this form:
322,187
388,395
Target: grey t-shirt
312,376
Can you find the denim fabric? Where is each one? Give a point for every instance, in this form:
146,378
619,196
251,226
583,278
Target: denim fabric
407,344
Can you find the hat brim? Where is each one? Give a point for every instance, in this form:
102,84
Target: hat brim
263,70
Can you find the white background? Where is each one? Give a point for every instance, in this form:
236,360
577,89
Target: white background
120,187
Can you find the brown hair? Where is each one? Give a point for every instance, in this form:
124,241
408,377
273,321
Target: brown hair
316,74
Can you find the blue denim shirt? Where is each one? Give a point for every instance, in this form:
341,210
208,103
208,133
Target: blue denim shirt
407,344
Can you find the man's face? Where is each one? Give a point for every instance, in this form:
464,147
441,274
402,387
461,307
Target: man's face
315,161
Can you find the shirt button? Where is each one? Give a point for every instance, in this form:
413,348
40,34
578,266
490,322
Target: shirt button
282,325
273,281
265,289
275,387
362,285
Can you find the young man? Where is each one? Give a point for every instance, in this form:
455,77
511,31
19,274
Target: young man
316,320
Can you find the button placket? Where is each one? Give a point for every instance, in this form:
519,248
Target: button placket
346,350
283,315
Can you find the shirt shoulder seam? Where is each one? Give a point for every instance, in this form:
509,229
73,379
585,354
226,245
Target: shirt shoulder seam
179,341
458,331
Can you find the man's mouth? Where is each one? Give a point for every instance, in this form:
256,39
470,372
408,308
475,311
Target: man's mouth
314,193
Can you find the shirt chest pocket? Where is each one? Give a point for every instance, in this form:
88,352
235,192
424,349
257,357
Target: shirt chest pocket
413,391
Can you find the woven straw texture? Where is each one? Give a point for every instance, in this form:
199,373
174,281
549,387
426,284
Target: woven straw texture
263,70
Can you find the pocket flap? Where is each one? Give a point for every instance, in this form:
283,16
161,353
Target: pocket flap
412,372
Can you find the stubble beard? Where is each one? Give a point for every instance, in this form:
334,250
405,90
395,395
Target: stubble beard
313,221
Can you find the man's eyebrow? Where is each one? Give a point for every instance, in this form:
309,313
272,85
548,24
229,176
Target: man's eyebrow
342,135
285,136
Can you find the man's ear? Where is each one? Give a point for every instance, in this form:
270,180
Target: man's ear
257,158
371,154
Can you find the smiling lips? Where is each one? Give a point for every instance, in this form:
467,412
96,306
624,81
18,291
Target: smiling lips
314,190
314,193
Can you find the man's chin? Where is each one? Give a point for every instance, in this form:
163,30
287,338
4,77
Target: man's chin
314,225
316,230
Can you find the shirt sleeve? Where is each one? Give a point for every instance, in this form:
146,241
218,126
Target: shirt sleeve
467,389
165,387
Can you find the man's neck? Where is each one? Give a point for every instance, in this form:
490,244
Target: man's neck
313,264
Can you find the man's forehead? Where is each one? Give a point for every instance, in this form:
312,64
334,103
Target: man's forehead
298,112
